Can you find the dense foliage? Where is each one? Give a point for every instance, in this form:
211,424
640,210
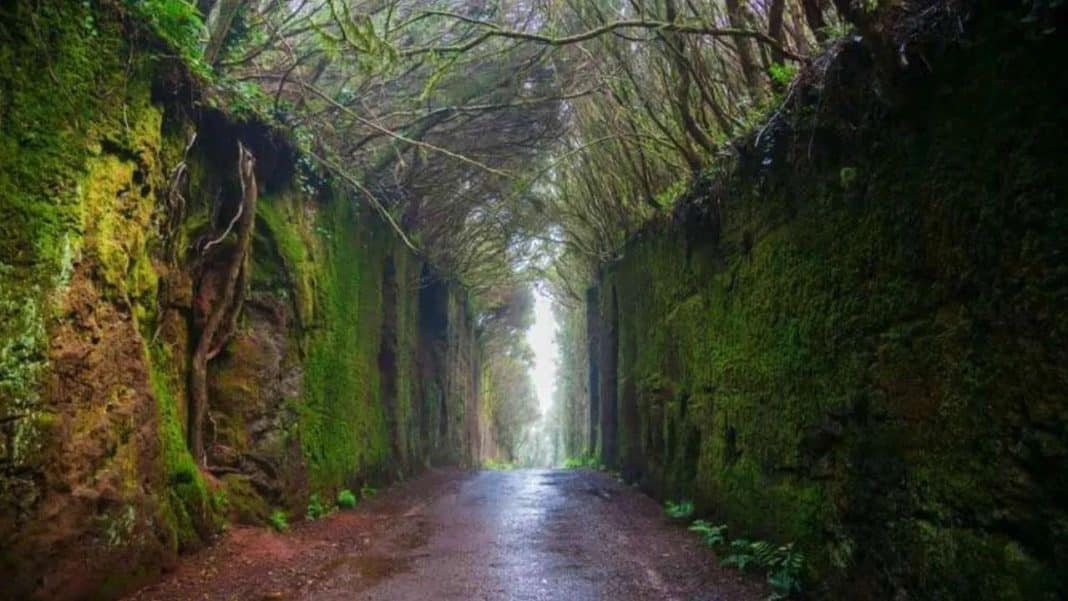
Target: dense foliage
489,131
505,140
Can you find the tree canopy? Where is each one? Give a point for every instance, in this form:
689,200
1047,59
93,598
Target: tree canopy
505,141
494,133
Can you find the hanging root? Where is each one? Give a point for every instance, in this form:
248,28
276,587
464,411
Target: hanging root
178,179
223,315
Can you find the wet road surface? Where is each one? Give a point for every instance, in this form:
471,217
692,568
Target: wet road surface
500,535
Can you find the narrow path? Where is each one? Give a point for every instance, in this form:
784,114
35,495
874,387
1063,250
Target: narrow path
518,535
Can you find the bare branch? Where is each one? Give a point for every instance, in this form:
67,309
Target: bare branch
690,28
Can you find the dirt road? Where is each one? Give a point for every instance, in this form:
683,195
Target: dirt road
465,536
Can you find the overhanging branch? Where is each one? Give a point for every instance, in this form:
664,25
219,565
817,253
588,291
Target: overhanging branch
492,30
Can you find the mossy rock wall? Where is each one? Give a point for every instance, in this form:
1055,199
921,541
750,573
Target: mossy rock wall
857,341
345,371
94,493
339,370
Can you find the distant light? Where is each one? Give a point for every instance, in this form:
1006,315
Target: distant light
542,339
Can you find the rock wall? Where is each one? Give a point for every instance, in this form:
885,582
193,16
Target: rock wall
855,337
351,362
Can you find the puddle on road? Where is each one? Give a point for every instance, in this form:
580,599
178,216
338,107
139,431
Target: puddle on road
418,536
368,569
554,477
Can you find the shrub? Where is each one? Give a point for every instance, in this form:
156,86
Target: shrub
782,74
710,535
744,553
278,521
786,571
345,499
176,21
316,509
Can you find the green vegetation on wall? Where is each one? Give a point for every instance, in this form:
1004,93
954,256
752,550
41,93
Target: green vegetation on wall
99,283
871,359
79,395
188,503
324,262
342,431
44,144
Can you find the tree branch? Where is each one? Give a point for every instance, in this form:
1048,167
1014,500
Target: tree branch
493,30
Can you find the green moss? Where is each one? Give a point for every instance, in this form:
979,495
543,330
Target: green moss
188,510
244,504
860,363
328,262
82,161
289,237
47,122
72,145
116,214
343,428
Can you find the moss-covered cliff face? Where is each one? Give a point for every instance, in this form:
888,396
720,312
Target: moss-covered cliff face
343,368
856,338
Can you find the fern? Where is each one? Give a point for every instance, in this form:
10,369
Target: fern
741,554
763,553
179,24
710,535
786,571
316,509
679,511
785,564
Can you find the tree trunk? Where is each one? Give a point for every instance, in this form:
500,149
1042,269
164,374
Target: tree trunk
683,82
736,14
218,22
814,17
775,30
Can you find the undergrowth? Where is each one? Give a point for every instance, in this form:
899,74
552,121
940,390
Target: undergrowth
346,500
680,511
711,536
784,564
587,461
278,521
180,24
316,509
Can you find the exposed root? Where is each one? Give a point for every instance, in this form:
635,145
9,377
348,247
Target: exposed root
179,178
222,317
